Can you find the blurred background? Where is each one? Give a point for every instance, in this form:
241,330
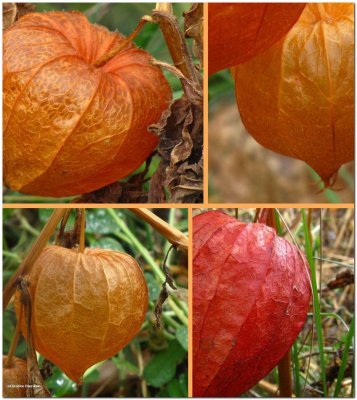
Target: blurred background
330,235
154,363
243,171
122,17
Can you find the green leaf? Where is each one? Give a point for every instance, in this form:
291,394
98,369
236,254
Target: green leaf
99,222
106,243
162,367
178,387
60,385
125,366
182,336
174,389
183,381
153,286
91,377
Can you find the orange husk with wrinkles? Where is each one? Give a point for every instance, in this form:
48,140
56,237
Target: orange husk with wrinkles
14,378
238,32
297,98
85,306
71,127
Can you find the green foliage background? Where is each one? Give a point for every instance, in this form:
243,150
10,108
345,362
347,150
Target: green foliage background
154,364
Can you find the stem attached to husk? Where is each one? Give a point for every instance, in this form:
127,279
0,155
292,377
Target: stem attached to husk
267,216
37,247
117,49
173,235
285,382
15,340
83,231
60,234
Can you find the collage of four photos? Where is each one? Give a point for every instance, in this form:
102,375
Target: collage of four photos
178,200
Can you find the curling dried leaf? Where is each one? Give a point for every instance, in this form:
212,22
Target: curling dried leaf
194,28
181,136
13,11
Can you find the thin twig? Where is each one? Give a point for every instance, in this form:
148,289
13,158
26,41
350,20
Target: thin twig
83,230
173,235
26,266
15,339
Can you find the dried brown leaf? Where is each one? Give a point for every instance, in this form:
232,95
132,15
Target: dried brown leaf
13,11
194,28
181,137
131,191
24,8
36,387
8,14
343,278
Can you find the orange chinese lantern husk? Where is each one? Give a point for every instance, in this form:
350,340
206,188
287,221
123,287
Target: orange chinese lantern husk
297,98
70,127
238,32
85,306
14,378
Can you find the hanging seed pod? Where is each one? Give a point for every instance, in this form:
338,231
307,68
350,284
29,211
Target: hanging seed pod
85,306
71,126
251,295
14,378
238,32
297,98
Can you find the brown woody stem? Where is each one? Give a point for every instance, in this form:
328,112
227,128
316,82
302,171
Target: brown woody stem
173,235
36,387
175,40
15,340
118,48
60,234
285,383
37,247
266,216
83,230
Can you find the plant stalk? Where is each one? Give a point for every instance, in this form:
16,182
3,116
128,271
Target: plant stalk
175,40
15,340
40,243
285,382
83,231
119,47
271,218
316,299
173,235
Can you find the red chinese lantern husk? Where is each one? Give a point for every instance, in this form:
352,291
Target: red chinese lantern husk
71,127
297,98
251,293
238,32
